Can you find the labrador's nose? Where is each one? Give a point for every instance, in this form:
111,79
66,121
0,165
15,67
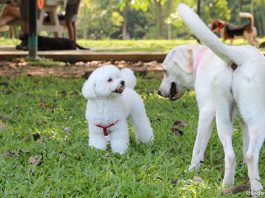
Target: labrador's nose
159,93
122,82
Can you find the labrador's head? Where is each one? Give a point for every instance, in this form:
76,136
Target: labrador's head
178,69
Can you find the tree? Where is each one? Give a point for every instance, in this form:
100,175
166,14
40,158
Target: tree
259,16
125,19
125,5
213,9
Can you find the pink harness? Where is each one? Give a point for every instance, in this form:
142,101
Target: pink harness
105,128
198,59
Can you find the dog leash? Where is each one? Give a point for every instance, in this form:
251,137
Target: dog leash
198,59
105,128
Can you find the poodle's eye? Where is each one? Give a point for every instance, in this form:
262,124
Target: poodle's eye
110,80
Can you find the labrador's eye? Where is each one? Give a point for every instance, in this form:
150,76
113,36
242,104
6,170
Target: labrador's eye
165,71
110,80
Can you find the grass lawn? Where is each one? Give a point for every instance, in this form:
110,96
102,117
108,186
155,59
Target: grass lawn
54,109
130,45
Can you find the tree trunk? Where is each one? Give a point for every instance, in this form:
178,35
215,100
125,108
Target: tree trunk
199,7
125,18
240,2
169,9
84,33
160,21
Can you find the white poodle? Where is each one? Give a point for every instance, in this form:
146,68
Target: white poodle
110,101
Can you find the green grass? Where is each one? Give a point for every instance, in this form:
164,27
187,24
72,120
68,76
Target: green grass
133,45
71,168
7,41
129,45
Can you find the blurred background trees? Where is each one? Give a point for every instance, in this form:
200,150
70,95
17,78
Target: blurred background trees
158,19
154,19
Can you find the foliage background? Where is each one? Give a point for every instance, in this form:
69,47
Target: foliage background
156,19
153,19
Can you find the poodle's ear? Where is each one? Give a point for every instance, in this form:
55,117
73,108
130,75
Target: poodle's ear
183,57
88,89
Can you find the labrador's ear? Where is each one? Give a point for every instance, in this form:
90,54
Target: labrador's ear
183,57
88,89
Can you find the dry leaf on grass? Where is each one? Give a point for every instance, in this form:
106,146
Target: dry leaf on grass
237,189
176,131
30,137
77,69
176,127
9,154
4,118
198,179
35,160
179,124
67,130
174,181
2,126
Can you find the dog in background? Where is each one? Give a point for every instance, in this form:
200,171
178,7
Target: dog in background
47,43
229,31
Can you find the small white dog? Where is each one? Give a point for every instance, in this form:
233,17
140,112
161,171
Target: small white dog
110,101
248,90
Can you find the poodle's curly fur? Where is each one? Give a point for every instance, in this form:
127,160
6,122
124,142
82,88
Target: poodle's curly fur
110,101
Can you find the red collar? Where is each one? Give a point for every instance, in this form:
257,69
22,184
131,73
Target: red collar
105,128
220,27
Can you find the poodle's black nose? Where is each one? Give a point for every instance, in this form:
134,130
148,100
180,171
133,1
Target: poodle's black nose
159,93
123,83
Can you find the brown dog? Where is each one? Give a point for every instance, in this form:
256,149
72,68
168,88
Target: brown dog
228,31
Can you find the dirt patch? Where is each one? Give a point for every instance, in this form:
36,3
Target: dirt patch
78,69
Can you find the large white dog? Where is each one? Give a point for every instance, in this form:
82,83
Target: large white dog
110,101
197,67
248,89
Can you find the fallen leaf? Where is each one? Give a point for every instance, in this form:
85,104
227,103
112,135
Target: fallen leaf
174,181
2,126
35,160
30,137
198,179
4,118
176,127
237,189
9,154
179,124
176,131
27,138
22,64
67,130
63,93
80,63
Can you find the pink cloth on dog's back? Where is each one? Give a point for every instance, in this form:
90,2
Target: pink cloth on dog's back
198,60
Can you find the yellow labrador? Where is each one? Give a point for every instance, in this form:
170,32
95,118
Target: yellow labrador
248,82
197,67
